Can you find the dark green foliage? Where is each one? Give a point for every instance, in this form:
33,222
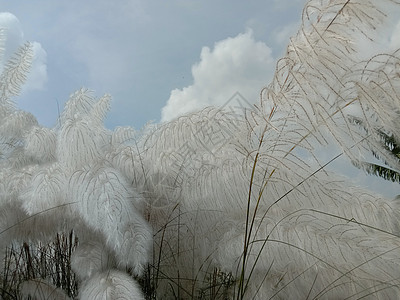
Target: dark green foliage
385,170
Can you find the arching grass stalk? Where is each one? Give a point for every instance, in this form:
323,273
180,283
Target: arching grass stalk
241,288
249,227
243,284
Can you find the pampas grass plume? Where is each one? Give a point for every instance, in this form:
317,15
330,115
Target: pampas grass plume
39,289
110,285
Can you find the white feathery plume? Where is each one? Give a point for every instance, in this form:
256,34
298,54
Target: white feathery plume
321,76
122,135
80,102
308,86
40,289
46,190
6,108
91,257
99,110
376,84
17,124
78,143
82,137
305,246
15,158
40,144
13,181
107,203
128,161
305,105
132,245
174,151
3,39
246,194
14,73
110,285
38,165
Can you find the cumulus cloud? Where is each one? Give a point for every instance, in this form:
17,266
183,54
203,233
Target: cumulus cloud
14,38
235,65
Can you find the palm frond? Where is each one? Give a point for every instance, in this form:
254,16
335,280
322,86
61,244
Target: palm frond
378,170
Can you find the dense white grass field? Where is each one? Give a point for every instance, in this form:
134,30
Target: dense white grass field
217,204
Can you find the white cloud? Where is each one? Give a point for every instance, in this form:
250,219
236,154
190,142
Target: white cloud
238,64
14,38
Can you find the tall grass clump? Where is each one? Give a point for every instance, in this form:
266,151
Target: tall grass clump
216,204
33,265
256,198
60,180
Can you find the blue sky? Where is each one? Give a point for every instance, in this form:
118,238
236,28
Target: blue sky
142,51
